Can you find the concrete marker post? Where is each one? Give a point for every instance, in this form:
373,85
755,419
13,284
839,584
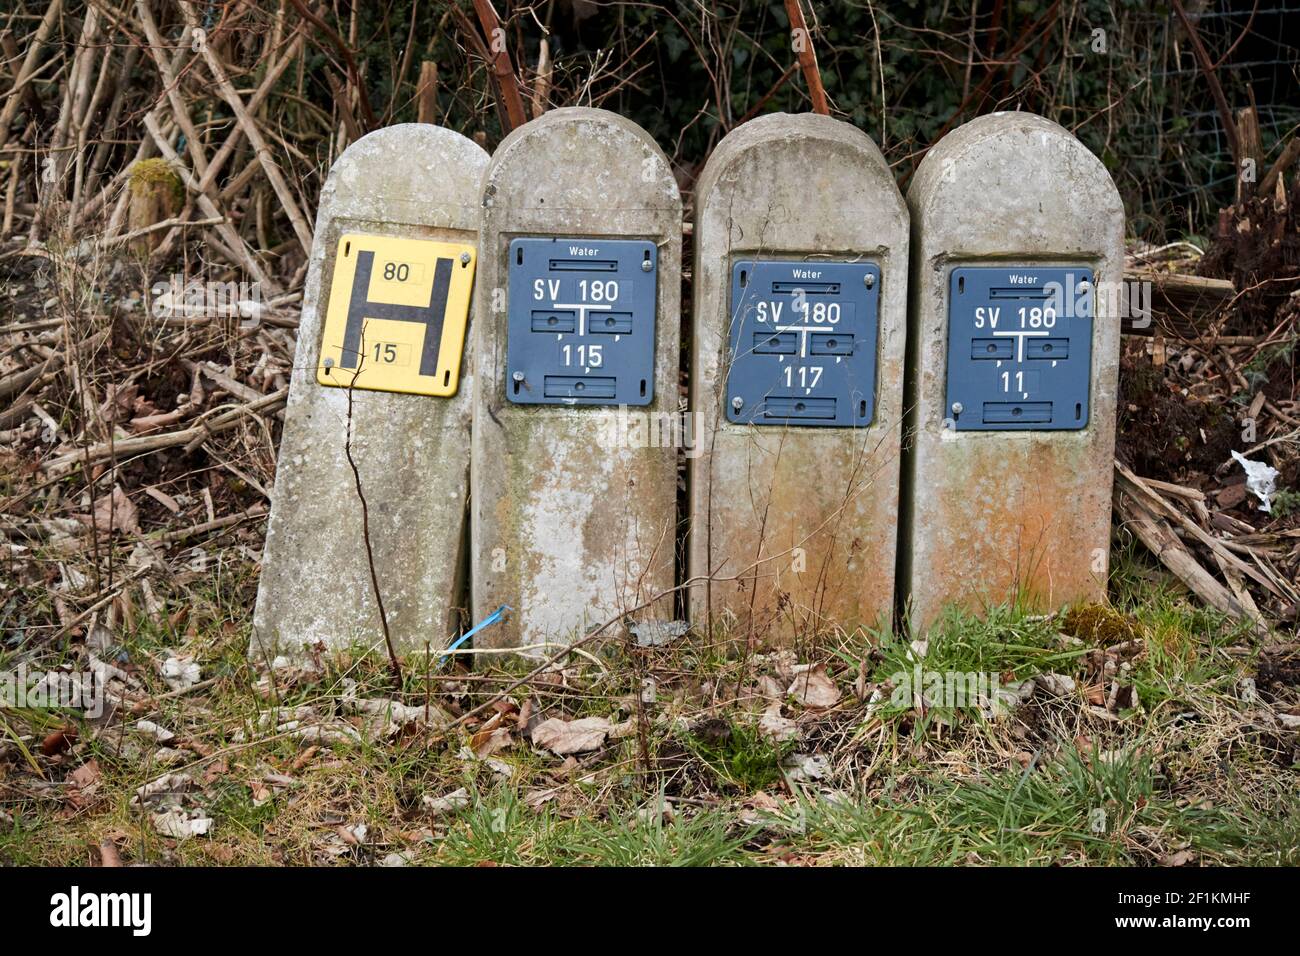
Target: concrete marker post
1010,478
796,519
405,200
573,510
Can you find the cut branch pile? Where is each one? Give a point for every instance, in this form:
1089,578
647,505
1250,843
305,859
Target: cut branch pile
1213,375
1174,522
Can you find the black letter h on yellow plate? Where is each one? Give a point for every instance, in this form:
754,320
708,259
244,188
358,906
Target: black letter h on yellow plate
361,308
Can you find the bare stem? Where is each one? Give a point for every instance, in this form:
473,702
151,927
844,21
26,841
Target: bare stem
370,551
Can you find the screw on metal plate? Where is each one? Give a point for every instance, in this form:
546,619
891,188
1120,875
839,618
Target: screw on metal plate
518,376
1082,287
869,280
646,266
464,258
737,403
329,363
957,408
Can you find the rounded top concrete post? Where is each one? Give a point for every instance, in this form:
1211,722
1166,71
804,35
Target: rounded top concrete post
1023,179
411,181
1015,514
415,160
789,516
765,143
578,137
570,526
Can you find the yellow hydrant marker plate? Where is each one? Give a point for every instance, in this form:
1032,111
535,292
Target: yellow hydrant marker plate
397,315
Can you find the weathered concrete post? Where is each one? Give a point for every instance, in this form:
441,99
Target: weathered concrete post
381,338
801,241
1018,241
573,509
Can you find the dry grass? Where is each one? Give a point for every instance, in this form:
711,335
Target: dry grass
1197,772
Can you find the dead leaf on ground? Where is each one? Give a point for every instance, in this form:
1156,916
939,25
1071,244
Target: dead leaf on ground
58,741
156,731
113,511
169,784
353,835
540,796
87,775
525,716
813,688
222,854
777,727
304,758
386,719
181,824
487,742
336,734
563,737
84,782
1058,685
108,855
806,767
446,803
164,499
180,672
124,402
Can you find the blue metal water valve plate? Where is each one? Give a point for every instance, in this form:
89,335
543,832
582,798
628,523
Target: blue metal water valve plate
581,322
803,343
1019,348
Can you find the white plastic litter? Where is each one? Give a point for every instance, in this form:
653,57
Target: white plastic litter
1261,479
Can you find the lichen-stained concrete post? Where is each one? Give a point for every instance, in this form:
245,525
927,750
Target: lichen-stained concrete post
1017,265
573,510
384,307
797,384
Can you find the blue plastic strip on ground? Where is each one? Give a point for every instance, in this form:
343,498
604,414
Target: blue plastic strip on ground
486,622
